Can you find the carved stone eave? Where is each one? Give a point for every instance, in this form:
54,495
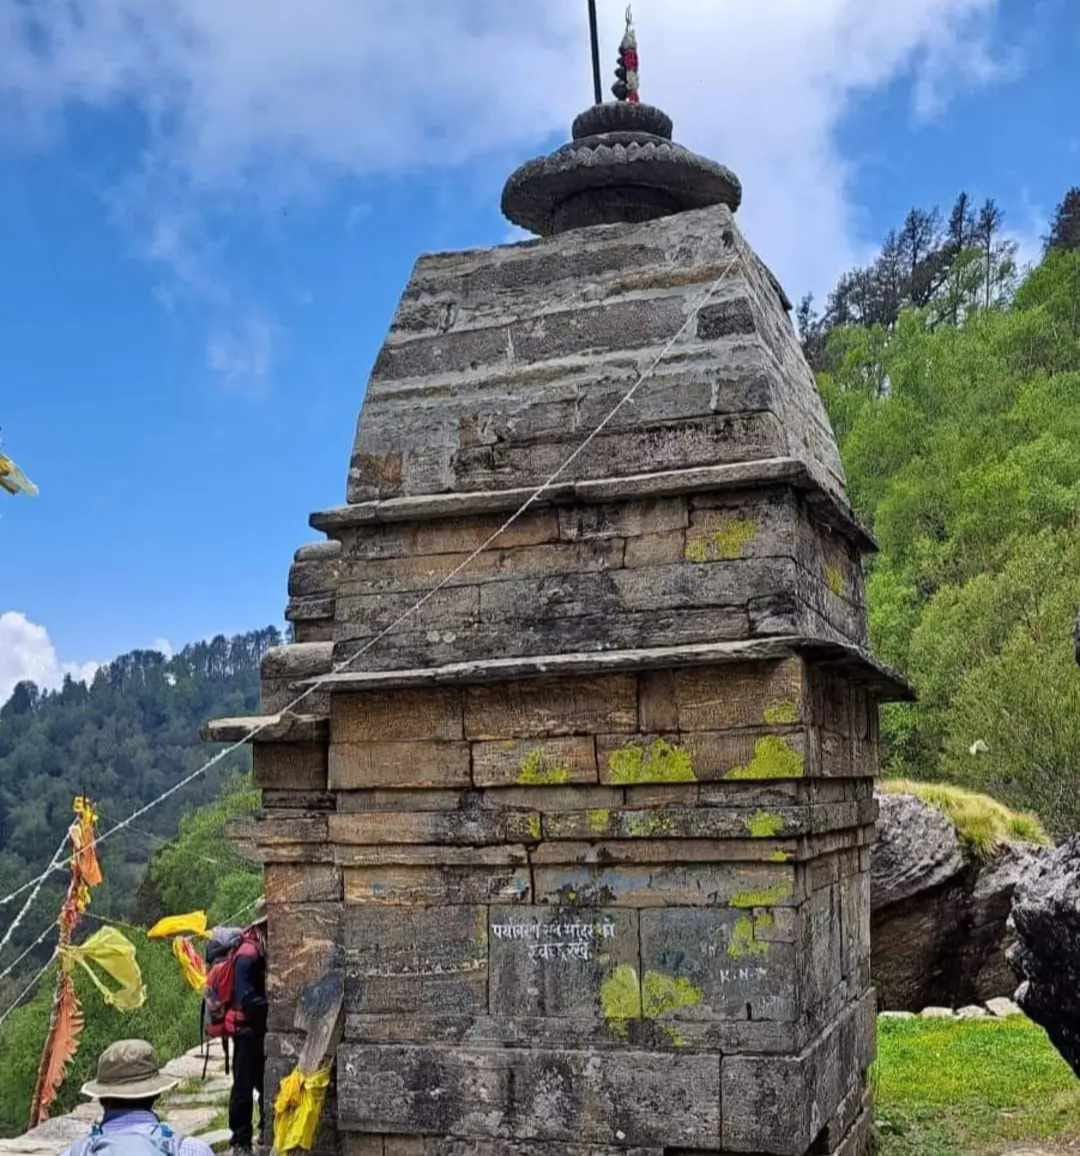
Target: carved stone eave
274,728
856,663
668,483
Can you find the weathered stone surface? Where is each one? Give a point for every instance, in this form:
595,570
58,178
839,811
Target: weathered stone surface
917,849
551,961
780,1104
430,886
1046,957
409,960
552,762
291,766
367,765
531,1094
940,918
396,717
539,709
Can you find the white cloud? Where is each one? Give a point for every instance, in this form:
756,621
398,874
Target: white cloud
247,103
27,652
241,353
162,646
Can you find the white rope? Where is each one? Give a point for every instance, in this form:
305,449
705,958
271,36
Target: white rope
340,666
34,894
29,987
40,939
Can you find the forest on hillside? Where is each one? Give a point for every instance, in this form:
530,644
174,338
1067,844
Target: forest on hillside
953,384
123,739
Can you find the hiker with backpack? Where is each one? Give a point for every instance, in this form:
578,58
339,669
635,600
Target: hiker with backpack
129,1081
234,1008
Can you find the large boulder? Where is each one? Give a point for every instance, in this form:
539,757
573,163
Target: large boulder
1046,954
939,914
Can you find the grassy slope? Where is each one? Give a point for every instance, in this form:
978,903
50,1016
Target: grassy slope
970,1087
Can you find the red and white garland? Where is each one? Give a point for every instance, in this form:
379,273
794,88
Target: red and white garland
626,87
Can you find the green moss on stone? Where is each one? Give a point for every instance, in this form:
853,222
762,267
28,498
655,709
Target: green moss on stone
646,825
742,942
773,759
764,824
780,856
620,999
662,762
536,770
762,897
781,713
724,544
663,993
834,579
598,821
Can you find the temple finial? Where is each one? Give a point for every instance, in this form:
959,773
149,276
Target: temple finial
626,86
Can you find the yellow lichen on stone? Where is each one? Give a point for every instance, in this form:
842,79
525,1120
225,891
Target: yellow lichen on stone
764,824
780,856
729,540
620,999
663,762
678,1040
598,821
773,759
663,993
536,770
722,545
696,550
645,825
763,896
781,713
834,579
742,941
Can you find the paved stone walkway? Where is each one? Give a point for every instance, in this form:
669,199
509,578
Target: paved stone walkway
195,1108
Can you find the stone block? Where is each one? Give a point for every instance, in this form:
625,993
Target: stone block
527,762
397,716
366,765
411,959
302,883
432,886
668,885
705,964
532,1094
290,766
558,962
544,708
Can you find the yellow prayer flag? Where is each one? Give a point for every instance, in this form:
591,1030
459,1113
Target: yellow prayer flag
192,966
297,1108
194,923
114,954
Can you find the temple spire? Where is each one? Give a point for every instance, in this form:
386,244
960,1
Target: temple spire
626,84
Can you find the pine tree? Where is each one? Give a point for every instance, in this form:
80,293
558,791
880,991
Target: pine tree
1065,231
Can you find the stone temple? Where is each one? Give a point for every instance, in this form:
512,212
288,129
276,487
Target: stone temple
588,834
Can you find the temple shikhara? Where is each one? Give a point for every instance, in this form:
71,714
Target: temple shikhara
587,834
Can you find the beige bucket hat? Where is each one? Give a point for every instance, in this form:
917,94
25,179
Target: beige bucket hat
128,1070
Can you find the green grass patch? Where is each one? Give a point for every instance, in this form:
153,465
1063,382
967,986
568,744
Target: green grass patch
970,1087
982,823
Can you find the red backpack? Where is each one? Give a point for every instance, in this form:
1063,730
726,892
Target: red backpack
220,1018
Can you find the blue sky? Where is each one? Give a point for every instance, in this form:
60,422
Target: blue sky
208,217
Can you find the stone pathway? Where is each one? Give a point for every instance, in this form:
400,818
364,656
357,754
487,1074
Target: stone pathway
196,1107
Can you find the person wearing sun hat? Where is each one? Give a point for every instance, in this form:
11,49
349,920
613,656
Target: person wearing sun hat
128,1082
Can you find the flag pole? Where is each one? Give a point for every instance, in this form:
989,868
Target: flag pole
594,36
